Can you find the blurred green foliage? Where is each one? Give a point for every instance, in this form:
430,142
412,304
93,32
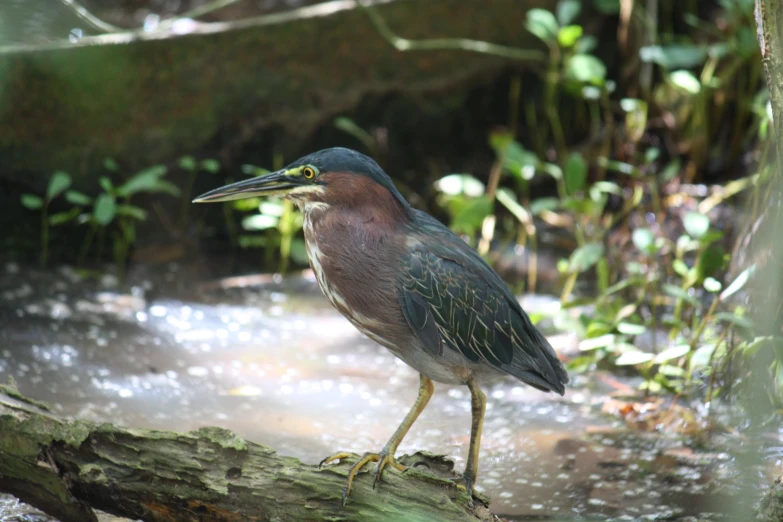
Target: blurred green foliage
649,285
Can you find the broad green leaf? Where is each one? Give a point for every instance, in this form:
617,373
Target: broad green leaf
643,239
507,198
750,348
518,161
738,283
500,140
609,187
111,165
132,211
701,357
541,204
106,184
60,182
31,201
696,224
597,329
671,170
674,56
187,163
671,371
105,209
542,23
636,119
597,342
738,320
575,173
569,35
712,285
711,236
686,81
710,261
472,214
585,68
458,184
146,180
77,198
680,267
602,271
580,364
568,10
632,358
625,312
64,217
583,258
679,293
165,187
653,386
210,165
675,352
259,222
631,328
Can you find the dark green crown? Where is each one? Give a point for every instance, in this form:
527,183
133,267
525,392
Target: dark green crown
339,159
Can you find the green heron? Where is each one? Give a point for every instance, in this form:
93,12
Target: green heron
409,283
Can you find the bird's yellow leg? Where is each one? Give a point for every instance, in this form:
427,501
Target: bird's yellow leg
478,405
386,455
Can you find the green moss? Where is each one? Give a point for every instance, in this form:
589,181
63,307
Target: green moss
93,473
222,437
11,390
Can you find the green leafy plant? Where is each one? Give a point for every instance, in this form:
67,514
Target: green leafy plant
58,184
112,210
571,69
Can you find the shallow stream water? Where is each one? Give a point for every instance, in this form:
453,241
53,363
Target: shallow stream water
268,358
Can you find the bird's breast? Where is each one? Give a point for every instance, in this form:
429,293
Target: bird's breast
355,273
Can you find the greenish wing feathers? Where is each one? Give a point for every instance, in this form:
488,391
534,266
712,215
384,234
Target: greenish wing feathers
450,294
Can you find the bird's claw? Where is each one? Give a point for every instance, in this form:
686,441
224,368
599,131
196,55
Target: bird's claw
383,459
467,480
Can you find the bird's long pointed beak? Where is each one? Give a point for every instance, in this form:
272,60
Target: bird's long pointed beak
273,184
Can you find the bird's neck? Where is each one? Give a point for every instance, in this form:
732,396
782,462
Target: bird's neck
364,205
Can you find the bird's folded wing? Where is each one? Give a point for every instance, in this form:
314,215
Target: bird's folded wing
451,297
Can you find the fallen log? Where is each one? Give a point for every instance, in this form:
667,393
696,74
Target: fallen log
67,468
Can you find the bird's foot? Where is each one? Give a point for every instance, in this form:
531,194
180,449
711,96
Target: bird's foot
383,459
465,482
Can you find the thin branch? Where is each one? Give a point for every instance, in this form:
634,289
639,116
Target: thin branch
198,11
451,44
91,19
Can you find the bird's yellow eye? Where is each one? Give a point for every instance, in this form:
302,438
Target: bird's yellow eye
308,172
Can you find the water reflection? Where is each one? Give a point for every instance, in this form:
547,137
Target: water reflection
276,364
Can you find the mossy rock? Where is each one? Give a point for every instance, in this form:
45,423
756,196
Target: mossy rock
142,99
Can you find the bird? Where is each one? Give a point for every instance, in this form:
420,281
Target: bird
408,282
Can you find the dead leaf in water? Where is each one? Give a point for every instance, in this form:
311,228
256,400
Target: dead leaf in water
654,415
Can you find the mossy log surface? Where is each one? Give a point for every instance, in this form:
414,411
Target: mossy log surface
68,467
141,98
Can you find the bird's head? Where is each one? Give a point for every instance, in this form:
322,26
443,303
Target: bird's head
335,176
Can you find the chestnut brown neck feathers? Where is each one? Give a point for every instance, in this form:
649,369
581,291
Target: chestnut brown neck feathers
360,197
